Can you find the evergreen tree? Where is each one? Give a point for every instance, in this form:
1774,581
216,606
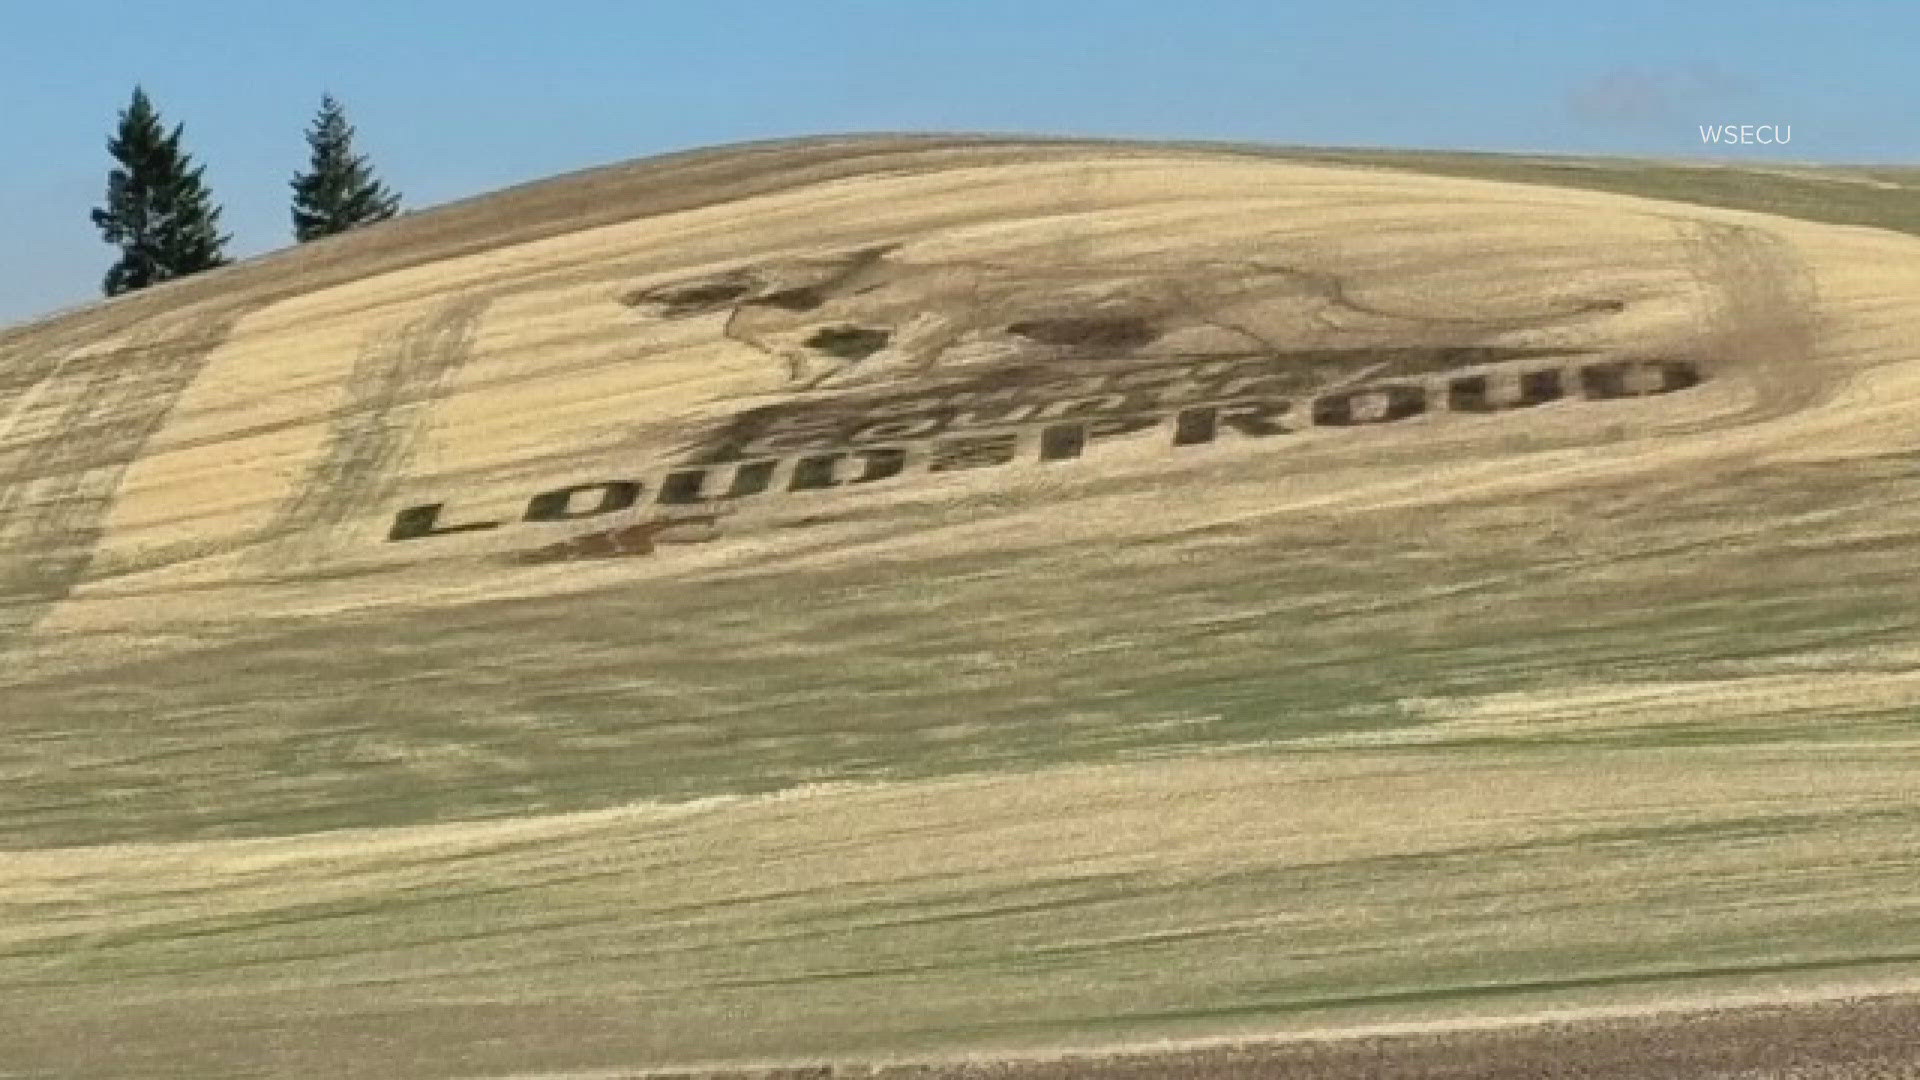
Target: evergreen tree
158,211
340,191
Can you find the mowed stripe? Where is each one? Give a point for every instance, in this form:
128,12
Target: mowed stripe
1161,898
69,439
370,441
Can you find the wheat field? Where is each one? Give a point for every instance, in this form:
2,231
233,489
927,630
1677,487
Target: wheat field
928,602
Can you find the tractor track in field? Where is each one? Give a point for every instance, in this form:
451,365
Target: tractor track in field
69,430
370,441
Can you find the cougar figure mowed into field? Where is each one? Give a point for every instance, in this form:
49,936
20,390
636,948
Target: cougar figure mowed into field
873,315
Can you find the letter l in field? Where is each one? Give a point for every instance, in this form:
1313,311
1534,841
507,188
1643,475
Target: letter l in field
418,521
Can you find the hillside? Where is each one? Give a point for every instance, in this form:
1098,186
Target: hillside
895,598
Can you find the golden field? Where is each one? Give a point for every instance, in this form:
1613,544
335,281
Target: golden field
885,600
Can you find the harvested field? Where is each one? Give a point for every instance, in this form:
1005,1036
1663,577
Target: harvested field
989,607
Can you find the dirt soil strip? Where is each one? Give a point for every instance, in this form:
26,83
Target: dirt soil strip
1874,1039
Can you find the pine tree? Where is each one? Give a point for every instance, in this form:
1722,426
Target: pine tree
340,192
158,210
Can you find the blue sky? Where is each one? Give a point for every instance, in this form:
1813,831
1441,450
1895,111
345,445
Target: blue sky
453,99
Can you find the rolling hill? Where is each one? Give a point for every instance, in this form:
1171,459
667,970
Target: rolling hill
939,599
